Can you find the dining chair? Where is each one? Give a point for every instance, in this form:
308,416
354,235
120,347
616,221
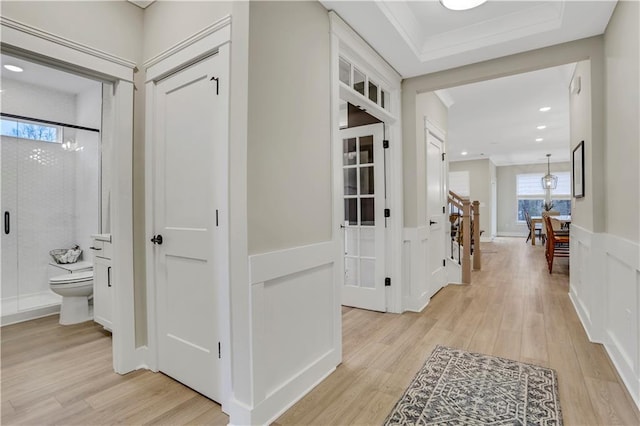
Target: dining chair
557,244
538,229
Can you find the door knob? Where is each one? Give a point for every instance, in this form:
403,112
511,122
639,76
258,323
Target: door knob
431,222
157,239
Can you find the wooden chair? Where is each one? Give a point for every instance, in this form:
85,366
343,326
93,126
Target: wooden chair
538,230
557,245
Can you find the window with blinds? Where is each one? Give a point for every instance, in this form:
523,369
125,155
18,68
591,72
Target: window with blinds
530,195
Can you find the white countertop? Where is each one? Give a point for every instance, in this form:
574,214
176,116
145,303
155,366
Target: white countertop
102,237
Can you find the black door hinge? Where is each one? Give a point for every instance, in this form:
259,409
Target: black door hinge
385,143
443,156
219,350
387,282
444,262
387,212
217,80
443,209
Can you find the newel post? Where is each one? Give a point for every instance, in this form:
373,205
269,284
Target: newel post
466,241
477,262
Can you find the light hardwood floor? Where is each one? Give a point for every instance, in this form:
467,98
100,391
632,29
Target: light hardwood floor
514,308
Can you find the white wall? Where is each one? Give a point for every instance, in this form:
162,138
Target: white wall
289,139
479,189
507,216
623,127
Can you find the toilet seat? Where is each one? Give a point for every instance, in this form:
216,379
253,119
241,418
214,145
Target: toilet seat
79,278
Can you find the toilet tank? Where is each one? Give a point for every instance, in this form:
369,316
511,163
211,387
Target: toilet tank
57,269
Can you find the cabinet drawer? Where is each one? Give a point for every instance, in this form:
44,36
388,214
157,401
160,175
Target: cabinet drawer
101,249
97,248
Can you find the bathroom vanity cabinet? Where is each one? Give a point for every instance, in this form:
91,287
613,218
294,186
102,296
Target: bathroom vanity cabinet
102,280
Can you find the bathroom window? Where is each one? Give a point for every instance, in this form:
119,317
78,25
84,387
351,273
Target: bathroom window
30,130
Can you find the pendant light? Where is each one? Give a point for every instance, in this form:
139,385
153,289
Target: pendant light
549,181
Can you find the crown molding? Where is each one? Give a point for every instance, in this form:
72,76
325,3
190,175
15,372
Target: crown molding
62,41
203,33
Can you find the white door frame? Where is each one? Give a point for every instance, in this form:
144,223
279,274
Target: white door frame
347,43
42,46
215,38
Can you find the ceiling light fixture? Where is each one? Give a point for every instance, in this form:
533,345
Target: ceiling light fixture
13,68
544,109
461,4
549,181
541,127
539,139
464,153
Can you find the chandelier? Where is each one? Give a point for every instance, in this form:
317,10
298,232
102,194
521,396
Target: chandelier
549,181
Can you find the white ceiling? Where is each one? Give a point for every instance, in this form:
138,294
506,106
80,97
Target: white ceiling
44,76
498,119
495,119
421,37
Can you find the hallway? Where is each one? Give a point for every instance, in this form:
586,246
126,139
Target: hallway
513,309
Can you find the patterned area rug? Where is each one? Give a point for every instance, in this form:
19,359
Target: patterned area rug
455,387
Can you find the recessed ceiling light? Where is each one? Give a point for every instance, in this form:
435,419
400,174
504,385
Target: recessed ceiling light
13,68
464,153
539,139
461,4
545,109
541,127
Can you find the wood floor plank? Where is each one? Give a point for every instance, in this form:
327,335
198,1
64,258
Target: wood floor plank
514,308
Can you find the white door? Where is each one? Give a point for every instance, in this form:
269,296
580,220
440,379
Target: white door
190,188
364,221
436,218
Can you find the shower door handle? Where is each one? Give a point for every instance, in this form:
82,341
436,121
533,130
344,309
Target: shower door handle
7,222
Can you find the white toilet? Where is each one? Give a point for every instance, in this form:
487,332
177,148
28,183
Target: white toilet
74,283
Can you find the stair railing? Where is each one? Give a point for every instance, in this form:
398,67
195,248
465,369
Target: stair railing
463,215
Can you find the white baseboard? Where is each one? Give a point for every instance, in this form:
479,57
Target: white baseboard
512,234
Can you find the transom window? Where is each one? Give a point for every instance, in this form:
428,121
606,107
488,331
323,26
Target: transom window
361,83
530,195
30,130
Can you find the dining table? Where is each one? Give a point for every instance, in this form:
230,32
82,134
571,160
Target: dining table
564,219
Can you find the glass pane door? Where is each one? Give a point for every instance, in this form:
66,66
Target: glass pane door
363,198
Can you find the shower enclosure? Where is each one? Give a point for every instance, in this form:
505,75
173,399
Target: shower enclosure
50,190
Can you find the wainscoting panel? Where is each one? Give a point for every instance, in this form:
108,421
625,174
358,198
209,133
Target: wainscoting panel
415,242
605,291
622,328
295,325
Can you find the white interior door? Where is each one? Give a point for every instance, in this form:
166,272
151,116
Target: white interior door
435,212
364,221
190,141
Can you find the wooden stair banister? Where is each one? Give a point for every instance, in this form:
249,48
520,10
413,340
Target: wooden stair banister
469,212
476,236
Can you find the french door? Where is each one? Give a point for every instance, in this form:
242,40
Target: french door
364,221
